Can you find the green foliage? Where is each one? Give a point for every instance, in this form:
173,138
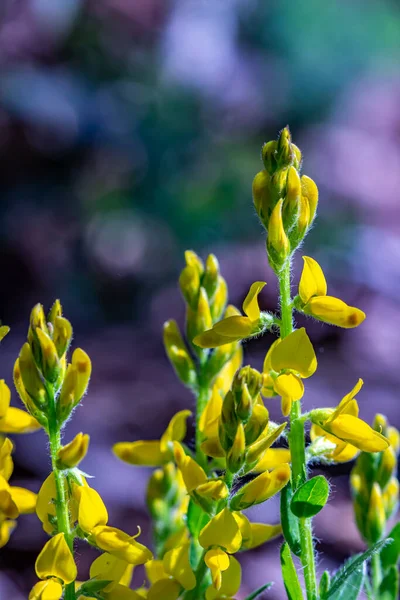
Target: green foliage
310,498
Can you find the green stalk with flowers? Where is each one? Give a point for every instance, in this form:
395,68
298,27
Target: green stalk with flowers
199,491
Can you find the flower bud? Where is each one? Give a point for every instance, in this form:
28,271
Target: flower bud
262,196
310,191
55,311
62,335
245,404
268,155
178,354
4,329
391,497
50,365
66,399
278,246
37,320
236,456
387,467
83,366
229,420
220,299
380,424
256,423
210,276
284,150
189,283
292,200
31,378
376,518
193,260
296,156
394,438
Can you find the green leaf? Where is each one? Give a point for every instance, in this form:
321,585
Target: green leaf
196,519
391,552
351,586
310,497
349,568
289,574
259,591
389,588
290,523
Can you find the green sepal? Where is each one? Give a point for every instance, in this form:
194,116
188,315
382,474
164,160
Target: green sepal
389,588
290,523
259,591
289,574
390,554
351,566
310,497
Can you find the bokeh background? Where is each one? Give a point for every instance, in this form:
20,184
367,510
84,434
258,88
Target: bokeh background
131,130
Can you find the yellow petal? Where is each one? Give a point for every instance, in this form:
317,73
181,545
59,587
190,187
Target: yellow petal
208,423
18,421
222,531
50,589
4,329
8,508
267,367
24,499
344,453
289,385
310,191
6,528
250,305
312,280
224,380
212,339
83,366
92,511
271,459
234,328
348,403
5,397
214,489
230,582
269,436
192,473
217,561
176,563
45,502
356,432
167,589
295,352
261,533
73,453
121,545
109,567
56,560
147,453
155,570
334,311
176,429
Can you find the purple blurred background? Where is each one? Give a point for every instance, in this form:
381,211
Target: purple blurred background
130,131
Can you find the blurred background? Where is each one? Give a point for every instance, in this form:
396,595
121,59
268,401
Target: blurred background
131,130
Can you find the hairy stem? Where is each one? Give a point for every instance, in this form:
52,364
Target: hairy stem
201,401
62,512
297,442
376,572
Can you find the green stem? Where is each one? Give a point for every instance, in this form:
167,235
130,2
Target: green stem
297,443
62,512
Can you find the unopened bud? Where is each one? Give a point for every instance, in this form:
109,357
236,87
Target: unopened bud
178,353
72,454
376,518
391,497
236,456
66,399
268,155
256,423
278,246
55,311
387,467
380,424
189,283
193,260
394,438
245,404
262,196
291,206
210,277
62,335
37,320
31,378
50,365
310,191
81,362
220,299
296,156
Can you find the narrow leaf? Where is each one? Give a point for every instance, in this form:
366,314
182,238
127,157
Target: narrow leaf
290,523
310,497
391,552
348,568
289,574
260,590
389,588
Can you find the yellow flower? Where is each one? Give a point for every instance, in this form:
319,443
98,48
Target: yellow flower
91,509
217,561
154,453
315,302
233,329
344,424
255,534
50,589
176,563
230,582
56,560
261,488
271,459
108,567
288,361
208,425
14,420
222,531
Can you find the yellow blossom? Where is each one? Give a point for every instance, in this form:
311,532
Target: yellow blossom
14,420
230,582
217,561
73,453
255,534
154,453
50,589
222,531
261,488
315,302
176,563
343,423
120,544
235,328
